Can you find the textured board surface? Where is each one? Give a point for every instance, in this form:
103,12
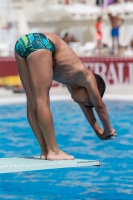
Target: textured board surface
19,164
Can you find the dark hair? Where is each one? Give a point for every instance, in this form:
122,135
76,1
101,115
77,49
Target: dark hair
66,34
101,87
99,18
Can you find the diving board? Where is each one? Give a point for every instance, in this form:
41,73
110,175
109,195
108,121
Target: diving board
20,164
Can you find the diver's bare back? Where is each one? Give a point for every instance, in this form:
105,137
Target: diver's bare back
66,63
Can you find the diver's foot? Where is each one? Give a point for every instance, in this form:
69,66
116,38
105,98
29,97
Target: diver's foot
59,155
43,156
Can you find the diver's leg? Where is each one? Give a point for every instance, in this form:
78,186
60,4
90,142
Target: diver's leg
31,115
40,66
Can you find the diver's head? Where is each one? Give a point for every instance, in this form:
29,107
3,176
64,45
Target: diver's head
80,94
101,87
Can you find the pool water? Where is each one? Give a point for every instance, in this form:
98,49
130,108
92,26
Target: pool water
113,180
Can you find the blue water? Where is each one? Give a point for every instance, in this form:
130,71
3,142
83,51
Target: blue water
113,180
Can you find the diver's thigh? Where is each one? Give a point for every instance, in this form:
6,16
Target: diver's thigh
40,66
24,76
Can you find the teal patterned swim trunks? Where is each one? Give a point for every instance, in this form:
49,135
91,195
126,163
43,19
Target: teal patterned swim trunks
29,43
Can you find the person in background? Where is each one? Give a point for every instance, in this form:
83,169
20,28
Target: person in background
83,1
98,34
69,38
66,38
99,2
116,22
72,39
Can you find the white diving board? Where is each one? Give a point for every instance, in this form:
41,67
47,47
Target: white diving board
20,164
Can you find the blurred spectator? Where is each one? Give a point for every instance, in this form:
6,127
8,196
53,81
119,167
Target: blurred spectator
83,1
67,1
132,43
130,46
116,22
99,2
72,39
66,38
115,1
69,38
98,33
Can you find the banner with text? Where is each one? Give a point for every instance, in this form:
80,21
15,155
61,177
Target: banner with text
114,70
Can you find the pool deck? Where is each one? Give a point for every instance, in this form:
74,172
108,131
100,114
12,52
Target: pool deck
119,92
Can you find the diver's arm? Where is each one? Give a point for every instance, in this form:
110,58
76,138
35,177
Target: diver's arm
89,114
98,103
95,97
80,97
99,106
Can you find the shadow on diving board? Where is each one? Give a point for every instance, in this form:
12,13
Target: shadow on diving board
19,164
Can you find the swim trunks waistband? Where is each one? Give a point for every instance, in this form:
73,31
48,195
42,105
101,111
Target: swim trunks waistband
29,43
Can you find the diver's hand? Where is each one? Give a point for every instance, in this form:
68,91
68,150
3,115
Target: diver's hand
106,135
110,135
